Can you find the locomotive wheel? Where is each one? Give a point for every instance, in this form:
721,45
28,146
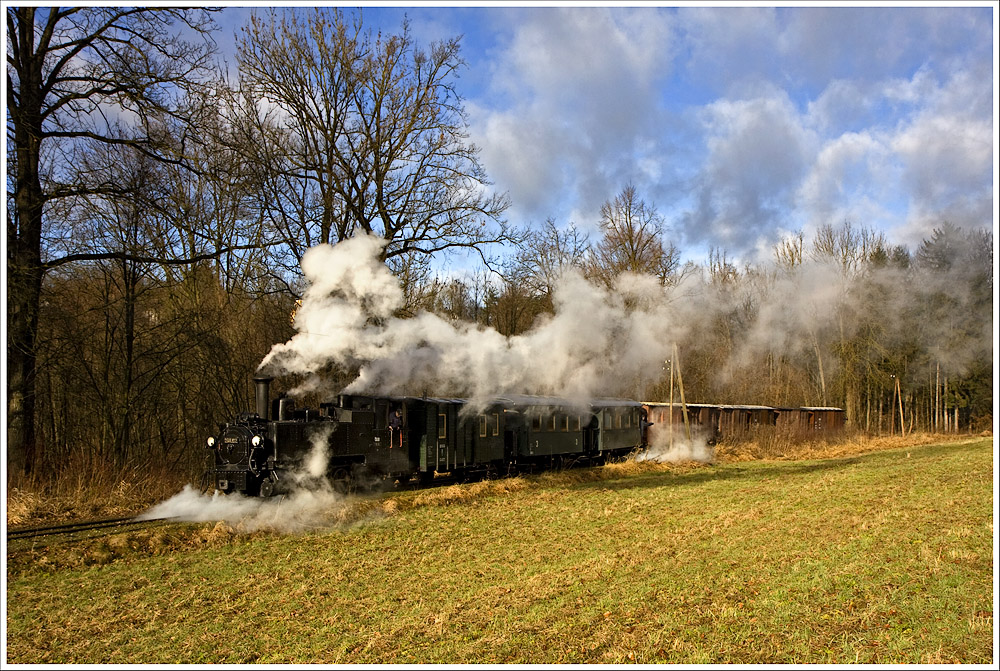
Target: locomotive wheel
366,479
266,488
341,481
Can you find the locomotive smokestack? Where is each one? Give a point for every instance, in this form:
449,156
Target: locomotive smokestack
263,389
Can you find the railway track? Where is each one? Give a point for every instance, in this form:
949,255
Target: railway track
112,524
108,525
68,528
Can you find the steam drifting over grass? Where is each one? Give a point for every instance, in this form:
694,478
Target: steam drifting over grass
680,450
302,510
311,504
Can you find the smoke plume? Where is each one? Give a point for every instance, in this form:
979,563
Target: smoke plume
311,503
598,342
680,450
805,319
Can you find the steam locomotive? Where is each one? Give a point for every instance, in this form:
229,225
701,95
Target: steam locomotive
362,439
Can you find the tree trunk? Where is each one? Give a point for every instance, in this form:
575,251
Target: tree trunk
24,287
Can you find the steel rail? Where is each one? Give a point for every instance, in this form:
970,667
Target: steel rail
74,527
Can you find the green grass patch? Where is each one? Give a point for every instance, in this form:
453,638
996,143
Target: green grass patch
879,558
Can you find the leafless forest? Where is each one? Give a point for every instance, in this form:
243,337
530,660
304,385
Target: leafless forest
159,207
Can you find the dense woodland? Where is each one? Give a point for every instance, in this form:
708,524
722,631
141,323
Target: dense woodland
158,208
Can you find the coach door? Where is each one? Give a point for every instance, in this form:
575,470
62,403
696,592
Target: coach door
437,436
442,433
510,443
590,432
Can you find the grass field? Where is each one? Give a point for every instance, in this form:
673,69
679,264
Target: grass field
884,557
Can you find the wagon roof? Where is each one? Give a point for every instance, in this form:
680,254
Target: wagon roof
524,399
745,407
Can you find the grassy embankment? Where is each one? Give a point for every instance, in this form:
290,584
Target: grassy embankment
884,557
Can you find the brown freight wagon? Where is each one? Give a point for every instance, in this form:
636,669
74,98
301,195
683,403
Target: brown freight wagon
826,420
740,420
716,421
806,422
703,421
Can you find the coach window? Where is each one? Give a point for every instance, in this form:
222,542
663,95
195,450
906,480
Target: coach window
496,424
442,426
536,423
482,426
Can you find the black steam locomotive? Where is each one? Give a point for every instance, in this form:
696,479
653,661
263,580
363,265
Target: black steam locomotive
371,438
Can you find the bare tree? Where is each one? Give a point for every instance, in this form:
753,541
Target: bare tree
78,76
632,241
545,255
788,253
848,247
363,134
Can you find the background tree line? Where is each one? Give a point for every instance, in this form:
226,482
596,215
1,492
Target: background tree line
157,212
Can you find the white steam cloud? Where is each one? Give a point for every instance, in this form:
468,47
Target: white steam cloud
615,342
311,503
679,450
598,342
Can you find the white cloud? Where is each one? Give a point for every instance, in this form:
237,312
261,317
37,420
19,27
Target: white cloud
757,151
946,151
847,182
902,155
741,123
575,95
731,49
948,172
843,104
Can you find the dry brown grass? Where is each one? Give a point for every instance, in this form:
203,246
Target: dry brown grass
465,493
28,556
74,494
770,446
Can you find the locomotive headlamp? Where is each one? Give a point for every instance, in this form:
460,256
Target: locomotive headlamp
211,442
256,441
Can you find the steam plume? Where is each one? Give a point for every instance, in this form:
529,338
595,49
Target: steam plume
311,504
596,340
662,451
614,342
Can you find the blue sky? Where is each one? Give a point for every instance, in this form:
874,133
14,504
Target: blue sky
740,123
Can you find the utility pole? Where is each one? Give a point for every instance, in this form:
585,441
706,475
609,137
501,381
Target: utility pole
670,412
902,423
680,383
